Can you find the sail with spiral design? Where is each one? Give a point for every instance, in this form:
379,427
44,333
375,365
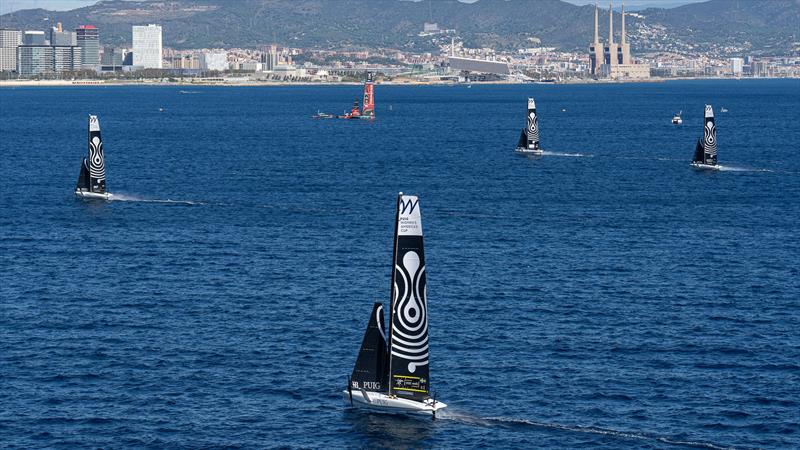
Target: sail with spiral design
96,160
371,371
532,127
408,344
709,137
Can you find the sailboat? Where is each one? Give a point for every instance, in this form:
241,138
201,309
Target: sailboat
705,152
92,179
676,119
529,137
368,105
393,376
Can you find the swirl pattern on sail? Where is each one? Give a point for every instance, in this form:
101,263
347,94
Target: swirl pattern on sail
97,167
410,332
533,127
710,138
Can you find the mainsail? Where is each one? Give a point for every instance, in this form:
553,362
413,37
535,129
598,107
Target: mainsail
532,128
372,366
408,364
97,165
709,138
368,105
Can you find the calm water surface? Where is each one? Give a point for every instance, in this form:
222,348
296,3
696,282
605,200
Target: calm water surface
611,298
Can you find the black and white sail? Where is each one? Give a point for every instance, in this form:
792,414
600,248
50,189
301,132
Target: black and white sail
709,138
698,152
371,371
408,345
532,127
93,168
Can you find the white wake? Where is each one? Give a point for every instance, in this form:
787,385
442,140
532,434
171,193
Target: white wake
136,198
468,419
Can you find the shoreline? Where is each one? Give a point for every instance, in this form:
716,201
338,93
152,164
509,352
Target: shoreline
89,82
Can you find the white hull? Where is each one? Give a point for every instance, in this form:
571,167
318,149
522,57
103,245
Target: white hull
379,402
528,151
93,195
705,166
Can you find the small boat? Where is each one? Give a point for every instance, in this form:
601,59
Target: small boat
92,178
393,376
676,119
529,137
705,152
723,110
322,115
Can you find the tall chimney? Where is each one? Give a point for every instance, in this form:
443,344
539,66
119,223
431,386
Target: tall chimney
610,22
596,35
622,38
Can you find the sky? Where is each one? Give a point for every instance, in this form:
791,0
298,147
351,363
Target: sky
7,6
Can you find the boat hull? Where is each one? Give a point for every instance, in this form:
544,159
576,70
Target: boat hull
527,151
93,195
390,404
705,166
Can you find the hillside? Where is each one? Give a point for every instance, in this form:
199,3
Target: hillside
761,25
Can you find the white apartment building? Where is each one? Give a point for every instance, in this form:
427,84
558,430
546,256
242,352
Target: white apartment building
147,46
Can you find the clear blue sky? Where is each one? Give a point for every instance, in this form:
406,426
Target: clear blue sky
65,5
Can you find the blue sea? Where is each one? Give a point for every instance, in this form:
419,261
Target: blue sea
603,295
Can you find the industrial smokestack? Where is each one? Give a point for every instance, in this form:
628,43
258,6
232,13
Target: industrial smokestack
610,22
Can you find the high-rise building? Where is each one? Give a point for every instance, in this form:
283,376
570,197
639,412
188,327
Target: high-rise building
33,38
269,57
147,46
736,66
35,59
59,36
88,37
9,41
67,58
112,58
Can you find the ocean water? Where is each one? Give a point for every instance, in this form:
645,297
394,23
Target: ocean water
604,295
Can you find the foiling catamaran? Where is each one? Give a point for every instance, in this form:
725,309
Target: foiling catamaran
92,179
393,376
705,152
529,137
357,112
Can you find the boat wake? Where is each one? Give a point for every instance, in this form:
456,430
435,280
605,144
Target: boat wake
468,419
135,198
741,169
570,155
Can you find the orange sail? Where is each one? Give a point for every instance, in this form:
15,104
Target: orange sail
368,105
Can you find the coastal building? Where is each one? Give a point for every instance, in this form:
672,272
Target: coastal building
67,58
88,37
111,59
736,65
616,58
34,59
33,38
147,46
269,58
59,36
214,61
9,41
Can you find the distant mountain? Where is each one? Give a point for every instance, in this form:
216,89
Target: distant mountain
769,25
